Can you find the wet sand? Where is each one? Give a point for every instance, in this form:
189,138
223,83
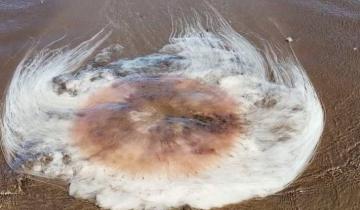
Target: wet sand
324,40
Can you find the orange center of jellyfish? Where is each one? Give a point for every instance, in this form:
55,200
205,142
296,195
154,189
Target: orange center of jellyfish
152,125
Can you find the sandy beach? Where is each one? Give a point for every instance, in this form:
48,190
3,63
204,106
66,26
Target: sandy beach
325,39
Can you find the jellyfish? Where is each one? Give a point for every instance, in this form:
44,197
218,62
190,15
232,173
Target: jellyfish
206,121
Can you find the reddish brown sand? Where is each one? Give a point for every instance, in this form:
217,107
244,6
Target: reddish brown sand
325,35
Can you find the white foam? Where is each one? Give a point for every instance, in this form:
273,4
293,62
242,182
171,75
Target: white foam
283,115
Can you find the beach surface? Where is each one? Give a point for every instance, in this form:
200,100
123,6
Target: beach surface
325,38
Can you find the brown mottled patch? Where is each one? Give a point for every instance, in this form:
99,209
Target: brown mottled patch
158,124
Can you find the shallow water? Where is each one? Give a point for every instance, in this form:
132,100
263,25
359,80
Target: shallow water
325,35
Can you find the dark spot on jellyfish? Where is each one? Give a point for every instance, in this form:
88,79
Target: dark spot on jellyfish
80,114
96,77
46,159
280,129
59,85
297,108
266,102
284,138
66,159
227,47
59,115
164,123
73,92
237,60
165,63
119,73
203,119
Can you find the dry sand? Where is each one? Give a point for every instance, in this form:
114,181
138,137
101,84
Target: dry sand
325,39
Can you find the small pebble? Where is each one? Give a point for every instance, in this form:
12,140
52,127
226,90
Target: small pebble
355,48
289,39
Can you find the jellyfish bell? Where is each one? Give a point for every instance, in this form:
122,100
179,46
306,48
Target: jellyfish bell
158,125
207,121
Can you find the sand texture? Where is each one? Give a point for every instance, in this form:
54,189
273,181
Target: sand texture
324,38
